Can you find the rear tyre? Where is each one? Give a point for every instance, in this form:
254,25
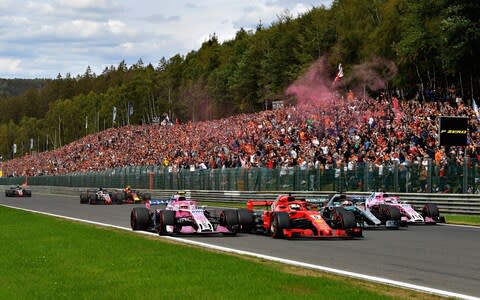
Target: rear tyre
116,198
92,199
139,218
27,193
83,198
245,219
280,221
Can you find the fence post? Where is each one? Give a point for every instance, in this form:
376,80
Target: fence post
429,176
465,173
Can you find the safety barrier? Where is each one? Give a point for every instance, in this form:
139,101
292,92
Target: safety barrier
467,204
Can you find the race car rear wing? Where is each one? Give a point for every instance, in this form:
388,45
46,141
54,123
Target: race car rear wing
251,204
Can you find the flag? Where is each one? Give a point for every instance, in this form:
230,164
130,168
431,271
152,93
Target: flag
86,122
339,74
14,148
31,144
114,114
475,107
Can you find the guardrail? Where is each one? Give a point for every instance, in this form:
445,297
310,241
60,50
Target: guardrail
466,204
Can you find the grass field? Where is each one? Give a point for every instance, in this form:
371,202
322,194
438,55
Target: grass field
49,258
463,219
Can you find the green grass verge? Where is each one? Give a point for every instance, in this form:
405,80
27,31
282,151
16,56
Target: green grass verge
49,258
463,219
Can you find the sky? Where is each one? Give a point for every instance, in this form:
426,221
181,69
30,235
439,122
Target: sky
41,39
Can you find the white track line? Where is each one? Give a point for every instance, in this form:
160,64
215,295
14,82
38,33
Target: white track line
459,225
275,259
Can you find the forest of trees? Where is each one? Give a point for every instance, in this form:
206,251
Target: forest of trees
433,43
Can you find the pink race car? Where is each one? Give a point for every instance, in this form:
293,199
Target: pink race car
428,215
184,216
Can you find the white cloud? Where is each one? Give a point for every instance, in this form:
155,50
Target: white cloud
10,65
44,38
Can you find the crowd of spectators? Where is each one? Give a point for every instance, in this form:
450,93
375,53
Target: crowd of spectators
342,131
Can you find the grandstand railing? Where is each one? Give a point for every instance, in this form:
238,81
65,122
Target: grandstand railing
363,177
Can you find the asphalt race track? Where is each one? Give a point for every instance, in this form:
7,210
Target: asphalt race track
440,257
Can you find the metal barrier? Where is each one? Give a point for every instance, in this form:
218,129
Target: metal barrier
423,176
447,203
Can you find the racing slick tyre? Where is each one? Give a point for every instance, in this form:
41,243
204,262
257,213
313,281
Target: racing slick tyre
430,210
7,193
393,213
118,198
344,219
166,218
83,198
27,193
245,219
280,221
229,217
139,218
387,212
92,199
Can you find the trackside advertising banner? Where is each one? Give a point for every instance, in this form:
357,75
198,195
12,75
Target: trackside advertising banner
453,131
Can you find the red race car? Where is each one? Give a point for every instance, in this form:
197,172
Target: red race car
295,218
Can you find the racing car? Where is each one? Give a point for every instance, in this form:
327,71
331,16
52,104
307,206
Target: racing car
96,196
289,217
18,191
429,214
388,216
184,216
130,196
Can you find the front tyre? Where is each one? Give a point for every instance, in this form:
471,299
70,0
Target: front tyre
430,210
166,218
280,221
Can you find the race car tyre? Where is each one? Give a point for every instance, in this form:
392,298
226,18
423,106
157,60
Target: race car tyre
394,213
430,210
387,212
280,221
229,217
83,198
345,219
166,218
92,199
139,218
246,220
118,198
8,193
245,217
27,193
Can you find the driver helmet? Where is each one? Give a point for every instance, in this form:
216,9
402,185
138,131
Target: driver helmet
295,206
347,203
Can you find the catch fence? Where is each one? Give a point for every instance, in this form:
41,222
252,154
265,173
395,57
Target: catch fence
363,177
